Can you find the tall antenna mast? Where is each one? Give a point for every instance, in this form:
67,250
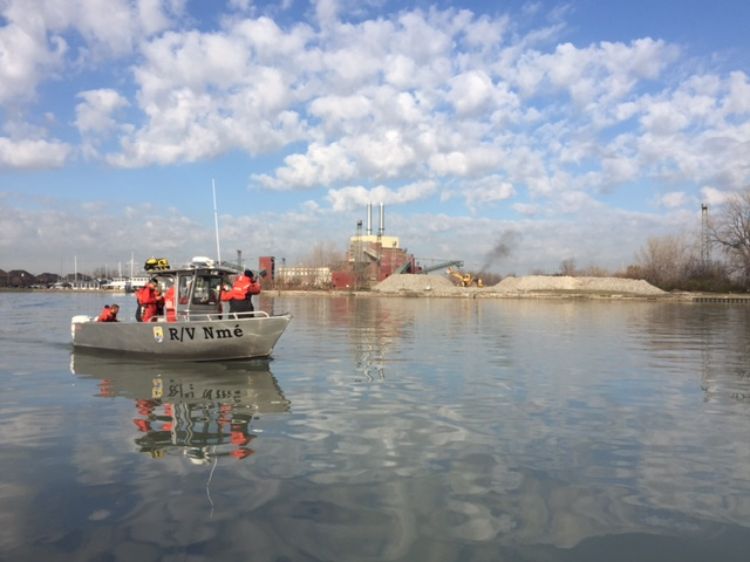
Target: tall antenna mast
705,245
216,223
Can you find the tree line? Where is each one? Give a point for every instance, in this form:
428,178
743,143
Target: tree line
717,260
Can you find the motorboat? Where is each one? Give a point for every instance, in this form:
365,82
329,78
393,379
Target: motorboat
197,330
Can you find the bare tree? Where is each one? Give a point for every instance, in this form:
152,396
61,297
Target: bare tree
593,271
662,261
323,254
731,232
568,267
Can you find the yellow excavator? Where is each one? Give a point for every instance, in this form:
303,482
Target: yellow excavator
465,279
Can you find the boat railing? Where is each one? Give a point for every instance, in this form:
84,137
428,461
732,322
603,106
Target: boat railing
215,316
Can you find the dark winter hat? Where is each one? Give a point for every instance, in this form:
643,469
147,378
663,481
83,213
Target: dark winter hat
249,273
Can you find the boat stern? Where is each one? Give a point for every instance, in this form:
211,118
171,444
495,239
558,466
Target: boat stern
79,319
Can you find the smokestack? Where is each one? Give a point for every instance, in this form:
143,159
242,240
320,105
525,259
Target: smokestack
369,219
382,220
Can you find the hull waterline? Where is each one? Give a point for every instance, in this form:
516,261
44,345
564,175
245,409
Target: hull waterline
209,340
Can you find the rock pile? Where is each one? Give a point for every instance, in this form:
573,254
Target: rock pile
409,282
529,285
566,284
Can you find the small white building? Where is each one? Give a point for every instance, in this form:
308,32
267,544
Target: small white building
318,277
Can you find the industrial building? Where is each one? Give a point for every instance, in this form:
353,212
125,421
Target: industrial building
371,257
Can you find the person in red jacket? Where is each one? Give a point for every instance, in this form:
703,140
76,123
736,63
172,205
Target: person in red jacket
149,299
109,314
241,294
170,304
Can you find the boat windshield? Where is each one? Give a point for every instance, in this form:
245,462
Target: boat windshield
164,282
183,289
206,290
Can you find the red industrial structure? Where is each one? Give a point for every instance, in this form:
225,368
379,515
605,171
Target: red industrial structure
372,257
267,263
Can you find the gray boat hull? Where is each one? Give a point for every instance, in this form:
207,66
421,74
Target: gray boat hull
205,340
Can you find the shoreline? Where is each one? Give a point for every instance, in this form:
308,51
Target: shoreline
481,294
466,293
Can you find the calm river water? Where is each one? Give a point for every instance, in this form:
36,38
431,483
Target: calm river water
385,429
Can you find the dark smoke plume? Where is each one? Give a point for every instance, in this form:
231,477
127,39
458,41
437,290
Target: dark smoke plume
504,246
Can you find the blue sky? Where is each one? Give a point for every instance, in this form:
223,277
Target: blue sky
575,130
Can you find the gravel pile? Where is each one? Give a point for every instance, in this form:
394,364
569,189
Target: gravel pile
551,284
531,284
411,282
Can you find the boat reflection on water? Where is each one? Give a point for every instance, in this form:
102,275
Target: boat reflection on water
200,410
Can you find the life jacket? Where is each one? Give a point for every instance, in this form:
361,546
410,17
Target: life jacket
244,287
170,305
149,299
107,315
226,294
148,296
141,295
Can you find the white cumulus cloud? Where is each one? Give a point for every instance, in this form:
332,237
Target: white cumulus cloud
95,112
32,154
353,197
674,199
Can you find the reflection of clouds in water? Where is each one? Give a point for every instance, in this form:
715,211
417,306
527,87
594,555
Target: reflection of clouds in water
547,419
472,521
330,521
707,477
13,498
100,463
427,430
25,427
